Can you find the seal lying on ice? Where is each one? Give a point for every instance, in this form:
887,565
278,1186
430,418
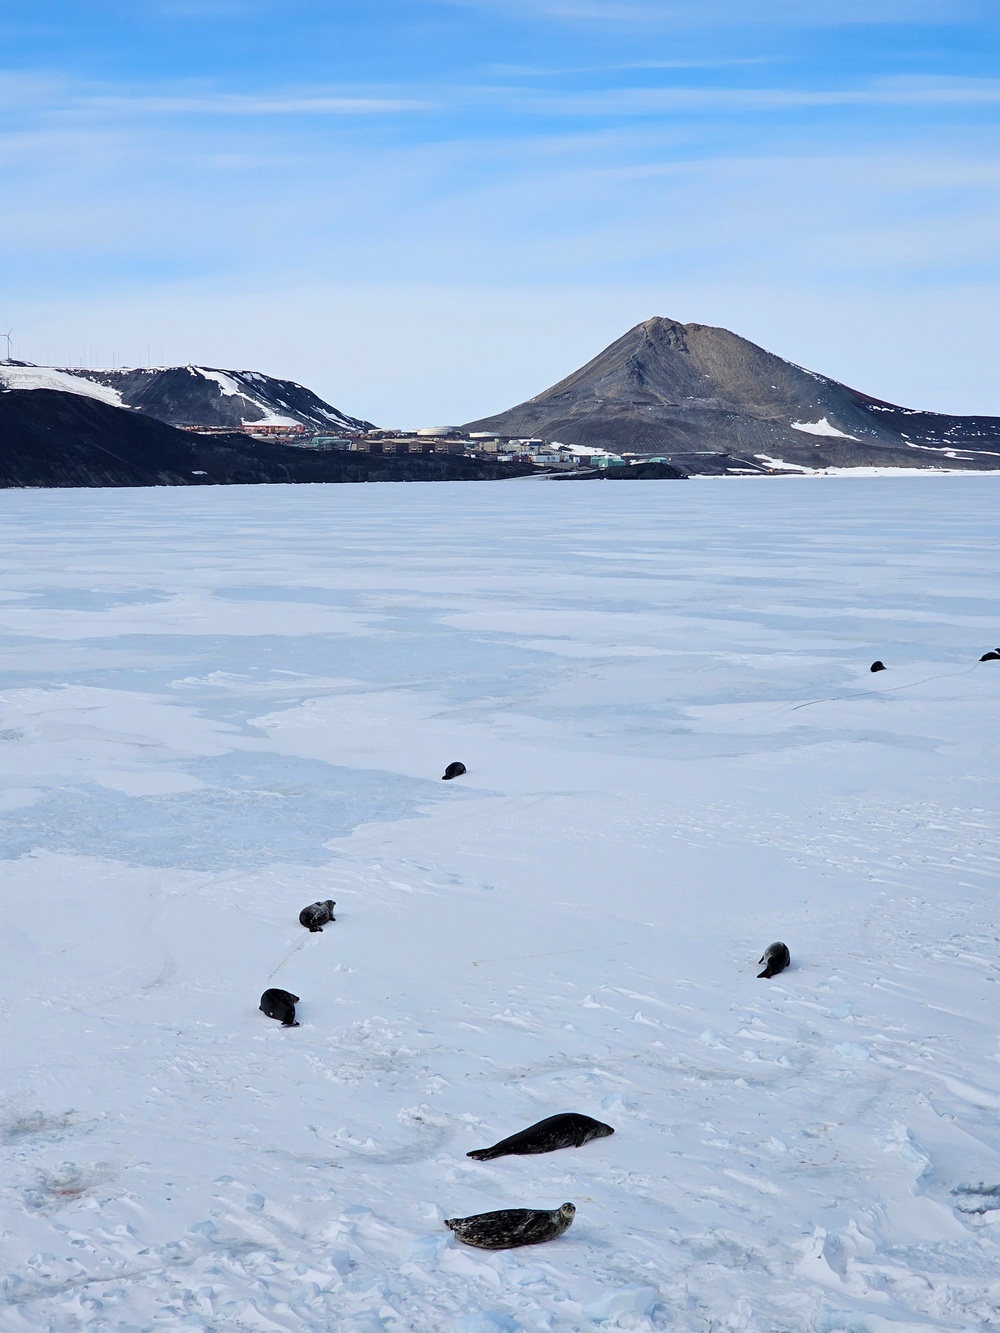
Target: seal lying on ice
510,1227
877,666
992,656
316,915
280,1004
775,959
556,1131
454,770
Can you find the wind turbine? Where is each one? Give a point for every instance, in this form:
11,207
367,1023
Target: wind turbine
7,336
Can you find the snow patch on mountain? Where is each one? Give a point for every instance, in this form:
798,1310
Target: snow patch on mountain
225,382
208,396
780,465
229,384
821,427
47,377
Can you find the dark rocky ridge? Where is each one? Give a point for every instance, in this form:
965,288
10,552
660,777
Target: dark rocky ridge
651,471
204,396
49,439
695,393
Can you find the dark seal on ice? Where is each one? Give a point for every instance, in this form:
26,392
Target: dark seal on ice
776,958
993,656
510,1227
454,770
280,1004
556,1131
877,666
316,915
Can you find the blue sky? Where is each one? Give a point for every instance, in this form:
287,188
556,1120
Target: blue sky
430,209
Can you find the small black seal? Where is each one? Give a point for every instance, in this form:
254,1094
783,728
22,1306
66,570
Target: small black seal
510,1227
877,666
993,656
776,958
554,1132
316,915
280,1004
454,770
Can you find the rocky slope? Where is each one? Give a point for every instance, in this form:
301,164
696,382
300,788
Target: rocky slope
192,395
712,401
50,439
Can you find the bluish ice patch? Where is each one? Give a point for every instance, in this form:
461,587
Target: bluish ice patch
300,593
92,599
409,655
259,808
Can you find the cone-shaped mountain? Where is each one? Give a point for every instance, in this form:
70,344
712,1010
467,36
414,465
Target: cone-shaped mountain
690,392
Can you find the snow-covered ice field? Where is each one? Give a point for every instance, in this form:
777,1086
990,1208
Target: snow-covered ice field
221,704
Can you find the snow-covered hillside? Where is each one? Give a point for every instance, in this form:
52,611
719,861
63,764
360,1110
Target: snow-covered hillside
65,381
192,395
220,705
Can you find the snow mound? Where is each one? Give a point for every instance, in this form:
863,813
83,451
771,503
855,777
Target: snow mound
634,1300
821,427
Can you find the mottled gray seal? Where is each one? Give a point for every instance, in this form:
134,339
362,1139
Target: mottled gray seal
510,1227
775,959
993,656
877,666
556,1131
280,1004
454,770
316,915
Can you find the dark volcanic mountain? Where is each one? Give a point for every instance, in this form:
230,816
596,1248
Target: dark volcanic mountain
711,402
203,396
51,438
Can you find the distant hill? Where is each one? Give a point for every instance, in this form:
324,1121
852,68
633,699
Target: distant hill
711,401
191,395
50,438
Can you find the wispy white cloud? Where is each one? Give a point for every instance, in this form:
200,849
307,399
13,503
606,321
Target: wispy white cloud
252,104
542,71
667,14
931,92
207,9
32,95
